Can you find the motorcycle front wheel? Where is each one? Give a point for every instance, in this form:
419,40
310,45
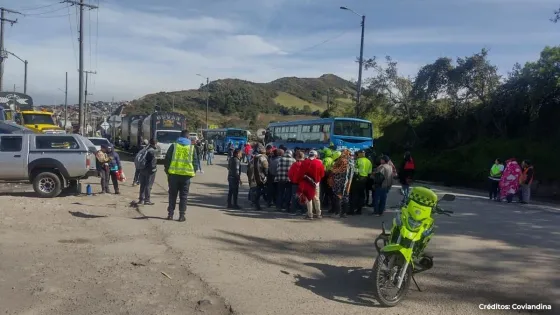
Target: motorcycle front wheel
386,269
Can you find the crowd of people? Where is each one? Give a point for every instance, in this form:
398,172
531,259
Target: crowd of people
304,181
308,181
510,179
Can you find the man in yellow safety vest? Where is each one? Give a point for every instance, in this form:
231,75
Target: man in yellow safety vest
180,165
364,168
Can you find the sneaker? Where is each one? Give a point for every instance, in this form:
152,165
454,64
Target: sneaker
318,216
148,203
308,217
169,217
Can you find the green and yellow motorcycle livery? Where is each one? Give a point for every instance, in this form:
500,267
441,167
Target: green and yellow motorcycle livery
401,252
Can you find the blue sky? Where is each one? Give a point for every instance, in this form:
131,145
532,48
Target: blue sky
140,46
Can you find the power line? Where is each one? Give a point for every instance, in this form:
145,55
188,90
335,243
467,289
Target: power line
41,7
51,16
47,12
299,51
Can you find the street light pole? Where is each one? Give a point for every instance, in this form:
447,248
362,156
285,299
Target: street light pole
66,103
207,96
25,73
361,61
25,78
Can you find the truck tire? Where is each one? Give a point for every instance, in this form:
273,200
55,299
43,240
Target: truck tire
47,185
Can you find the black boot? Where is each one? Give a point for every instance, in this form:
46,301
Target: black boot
345,209
170,216
182,217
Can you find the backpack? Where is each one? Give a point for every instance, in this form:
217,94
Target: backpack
140,159
378,179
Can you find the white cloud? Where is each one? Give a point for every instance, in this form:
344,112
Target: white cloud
142,52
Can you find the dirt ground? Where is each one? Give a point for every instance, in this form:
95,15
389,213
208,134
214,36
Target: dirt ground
99,255
58,258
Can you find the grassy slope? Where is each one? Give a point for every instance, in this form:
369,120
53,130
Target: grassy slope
289,100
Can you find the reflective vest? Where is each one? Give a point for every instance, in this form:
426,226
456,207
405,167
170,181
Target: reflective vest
364,167
182,161
328,162
495,171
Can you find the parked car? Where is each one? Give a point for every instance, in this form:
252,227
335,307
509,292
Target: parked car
10,127
98,142
50,162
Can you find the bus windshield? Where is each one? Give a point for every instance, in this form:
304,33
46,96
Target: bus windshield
352,128
237,133
38,119
167,136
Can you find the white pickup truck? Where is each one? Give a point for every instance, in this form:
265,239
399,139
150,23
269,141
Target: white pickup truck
51,162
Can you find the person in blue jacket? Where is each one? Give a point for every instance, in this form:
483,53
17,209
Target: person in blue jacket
115,167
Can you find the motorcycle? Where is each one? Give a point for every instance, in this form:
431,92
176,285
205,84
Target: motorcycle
401,253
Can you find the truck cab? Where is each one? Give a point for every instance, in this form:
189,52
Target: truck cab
38,121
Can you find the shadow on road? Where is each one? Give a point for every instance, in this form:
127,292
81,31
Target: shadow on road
79,214
341,284
462,272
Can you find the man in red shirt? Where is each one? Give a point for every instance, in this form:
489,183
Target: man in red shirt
311,173
293,175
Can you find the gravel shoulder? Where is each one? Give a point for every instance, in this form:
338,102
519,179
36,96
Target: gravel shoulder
92,255
59,257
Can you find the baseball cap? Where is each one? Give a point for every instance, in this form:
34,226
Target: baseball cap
312,154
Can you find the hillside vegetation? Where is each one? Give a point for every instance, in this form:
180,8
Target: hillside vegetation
235,102
457,116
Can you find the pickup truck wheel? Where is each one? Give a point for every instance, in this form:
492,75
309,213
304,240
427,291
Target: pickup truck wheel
47,185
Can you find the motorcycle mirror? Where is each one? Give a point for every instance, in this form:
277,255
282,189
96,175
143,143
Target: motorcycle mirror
448,197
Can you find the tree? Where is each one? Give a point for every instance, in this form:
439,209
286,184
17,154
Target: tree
391,91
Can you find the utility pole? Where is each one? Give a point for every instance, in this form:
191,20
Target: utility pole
3,55
359,95
328,99
87,115
81,66
207,99
66,103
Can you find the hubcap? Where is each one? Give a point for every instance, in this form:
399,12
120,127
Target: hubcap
46,185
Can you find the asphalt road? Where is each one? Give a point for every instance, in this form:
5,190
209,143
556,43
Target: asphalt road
273,263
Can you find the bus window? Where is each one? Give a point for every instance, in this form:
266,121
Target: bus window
352,128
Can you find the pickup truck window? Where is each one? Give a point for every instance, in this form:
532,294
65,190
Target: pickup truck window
10,144
46,143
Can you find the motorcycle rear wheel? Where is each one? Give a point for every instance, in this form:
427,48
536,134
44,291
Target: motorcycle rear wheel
380,272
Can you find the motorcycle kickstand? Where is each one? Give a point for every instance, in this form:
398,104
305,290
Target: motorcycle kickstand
416,283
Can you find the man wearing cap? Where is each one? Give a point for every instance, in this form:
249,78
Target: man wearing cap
364,169
312,171
180,165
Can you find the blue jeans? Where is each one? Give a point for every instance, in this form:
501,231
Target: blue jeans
199,165
209,158
380,200
284,195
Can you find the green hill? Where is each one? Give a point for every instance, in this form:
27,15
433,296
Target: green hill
238,102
